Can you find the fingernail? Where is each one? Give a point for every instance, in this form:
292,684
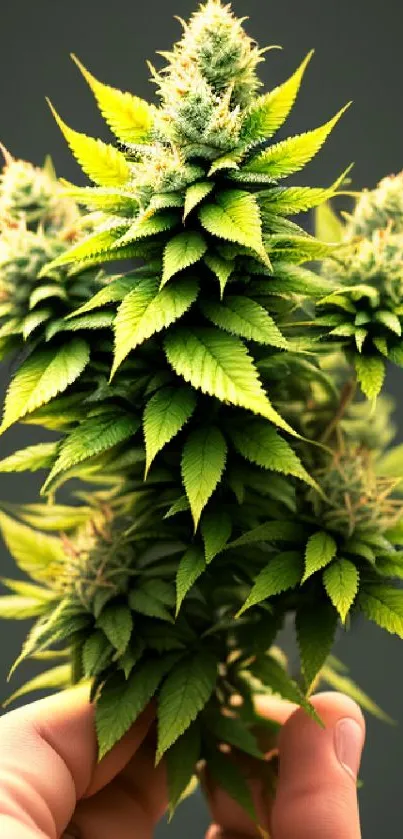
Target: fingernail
348,742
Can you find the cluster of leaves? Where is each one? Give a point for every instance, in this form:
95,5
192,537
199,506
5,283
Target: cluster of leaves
365,311
37,224
235,478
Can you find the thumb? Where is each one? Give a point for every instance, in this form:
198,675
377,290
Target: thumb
317,788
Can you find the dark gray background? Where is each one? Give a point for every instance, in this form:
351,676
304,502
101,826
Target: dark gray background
358,56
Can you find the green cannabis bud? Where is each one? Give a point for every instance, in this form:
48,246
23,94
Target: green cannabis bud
37,224
379,208
365,312
226,475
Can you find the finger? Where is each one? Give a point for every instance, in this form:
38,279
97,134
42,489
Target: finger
133,802
230,819
317,790
48,760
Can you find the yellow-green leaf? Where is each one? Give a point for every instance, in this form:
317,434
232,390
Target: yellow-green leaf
341,580
104,164
147,310
37,554
190,567
42,376
164,416
320,550
328,227
219,364
269,112
370,371
235,217
195,194
54,679
129,117
203,462
181,251
292,154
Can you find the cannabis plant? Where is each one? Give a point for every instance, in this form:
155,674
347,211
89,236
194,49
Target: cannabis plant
228,475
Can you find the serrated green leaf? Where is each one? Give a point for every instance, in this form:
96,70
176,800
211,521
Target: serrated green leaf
96,245
96,654
164,201
341,581
37,554
316,629
226,161
234,216
269,112
54,679
104,164
292,279
131,656
195,194
129,117
41,377
390,320
39,456
396,355
203,461
145,226
229,777
180,762
33,320
273,676
320,550
181,251
164,416
106,199
189,570
17,607
113,292
219,364
146,604
160,589
283,572
246,318
147,310
370,371
63,622
297,249
121,702
117,623
233,731
91,437
94,320
271,531
384,606
44,292
56,517
261,444
328,226
46,595
216,528
297,199
184,693
179,506
292,154
222,268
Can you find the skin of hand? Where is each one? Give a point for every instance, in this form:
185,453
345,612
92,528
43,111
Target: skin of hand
51,785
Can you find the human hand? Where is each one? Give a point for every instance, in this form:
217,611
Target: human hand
51,785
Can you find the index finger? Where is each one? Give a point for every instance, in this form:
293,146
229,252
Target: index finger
48,761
